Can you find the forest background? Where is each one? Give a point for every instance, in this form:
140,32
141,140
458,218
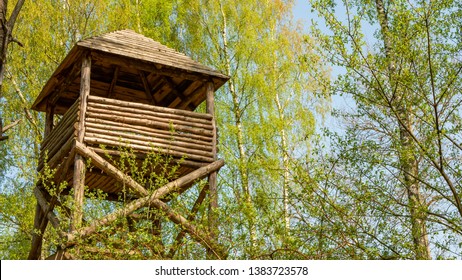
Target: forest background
378,178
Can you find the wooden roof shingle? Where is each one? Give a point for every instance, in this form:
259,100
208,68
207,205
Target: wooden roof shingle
131,52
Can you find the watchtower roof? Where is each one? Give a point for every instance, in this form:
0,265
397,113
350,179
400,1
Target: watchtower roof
130,67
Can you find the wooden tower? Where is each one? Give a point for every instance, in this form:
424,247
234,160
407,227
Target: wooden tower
118,90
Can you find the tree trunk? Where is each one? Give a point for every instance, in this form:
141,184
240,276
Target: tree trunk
243,158
408,161
5,38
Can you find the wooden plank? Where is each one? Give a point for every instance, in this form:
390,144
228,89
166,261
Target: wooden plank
138,147
212,179
148,66
57,158
147,88
160,124
165,142
143,131
206,140
130,45
110,92
152,116
68,117
203,121
150,107
176,91
37,235
148,143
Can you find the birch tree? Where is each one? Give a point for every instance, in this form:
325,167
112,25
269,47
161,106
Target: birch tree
405,82
266,113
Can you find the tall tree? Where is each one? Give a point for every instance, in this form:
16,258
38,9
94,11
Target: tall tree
407,91
6,37
265,112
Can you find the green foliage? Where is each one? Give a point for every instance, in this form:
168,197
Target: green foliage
402,74
294,193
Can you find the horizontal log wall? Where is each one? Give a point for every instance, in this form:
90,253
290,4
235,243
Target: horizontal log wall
144,128
59,142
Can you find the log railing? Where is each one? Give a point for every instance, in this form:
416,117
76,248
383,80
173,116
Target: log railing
144,128
59,142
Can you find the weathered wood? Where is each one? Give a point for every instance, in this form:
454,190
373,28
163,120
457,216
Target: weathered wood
193,97
79,163
154,114
178,139
174,89
68,119
37,239
54,160
110,92
45,207
169,142
212,179
49,120
155,132
171,124
136,147
126,104
67,80
162,124
149,143
111,170
54,147
136,204
146,87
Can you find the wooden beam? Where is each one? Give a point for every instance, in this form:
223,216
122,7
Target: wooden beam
115,76
111,170
187,103
37,234
212,179
149,67
147,88
63,83
49,119
42,201
177,92
141,202
79,163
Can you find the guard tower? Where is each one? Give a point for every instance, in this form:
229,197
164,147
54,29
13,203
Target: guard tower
124,90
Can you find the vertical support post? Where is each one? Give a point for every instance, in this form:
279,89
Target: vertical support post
79,162
40,219
212,178
49,119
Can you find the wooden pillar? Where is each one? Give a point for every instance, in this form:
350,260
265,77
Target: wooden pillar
212,178
79,162
40,219
49,119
